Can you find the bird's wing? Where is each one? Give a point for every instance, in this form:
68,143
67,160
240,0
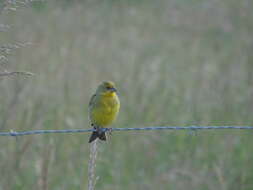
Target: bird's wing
92,100
91,104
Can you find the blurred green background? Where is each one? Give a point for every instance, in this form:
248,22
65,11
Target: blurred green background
175,62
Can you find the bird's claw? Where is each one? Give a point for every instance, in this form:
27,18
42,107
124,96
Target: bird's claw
110,131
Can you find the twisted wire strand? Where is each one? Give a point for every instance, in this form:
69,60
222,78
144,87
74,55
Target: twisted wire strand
36,132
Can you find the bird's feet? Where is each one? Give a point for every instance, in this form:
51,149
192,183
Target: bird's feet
110,131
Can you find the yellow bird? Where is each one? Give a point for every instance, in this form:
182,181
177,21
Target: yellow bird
103,109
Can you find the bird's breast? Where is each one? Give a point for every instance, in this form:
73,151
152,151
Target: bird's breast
106,110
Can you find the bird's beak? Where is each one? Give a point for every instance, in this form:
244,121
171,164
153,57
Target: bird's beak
113,89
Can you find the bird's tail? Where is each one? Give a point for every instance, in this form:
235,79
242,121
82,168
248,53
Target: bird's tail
97,134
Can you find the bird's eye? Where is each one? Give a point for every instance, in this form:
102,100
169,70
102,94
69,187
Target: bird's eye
108,87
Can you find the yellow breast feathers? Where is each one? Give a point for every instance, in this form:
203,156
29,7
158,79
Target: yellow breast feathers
104,109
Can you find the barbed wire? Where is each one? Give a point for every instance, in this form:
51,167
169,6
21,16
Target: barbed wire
36,132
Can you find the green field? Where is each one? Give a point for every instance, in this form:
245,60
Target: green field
175,63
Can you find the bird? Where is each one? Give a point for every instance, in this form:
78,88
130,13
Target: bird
103,109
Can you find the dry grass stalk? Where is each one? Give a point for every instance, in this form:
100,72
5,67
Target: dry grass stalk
44,169
6,73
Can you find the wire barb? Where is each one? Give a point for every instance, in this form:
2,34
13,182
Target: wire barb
36,132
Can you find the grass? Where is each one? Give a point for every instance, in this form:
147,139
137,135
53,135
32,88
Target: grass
174,63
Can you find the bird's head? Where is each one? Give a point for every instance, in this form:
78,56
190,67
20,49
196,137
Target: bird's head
106,88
